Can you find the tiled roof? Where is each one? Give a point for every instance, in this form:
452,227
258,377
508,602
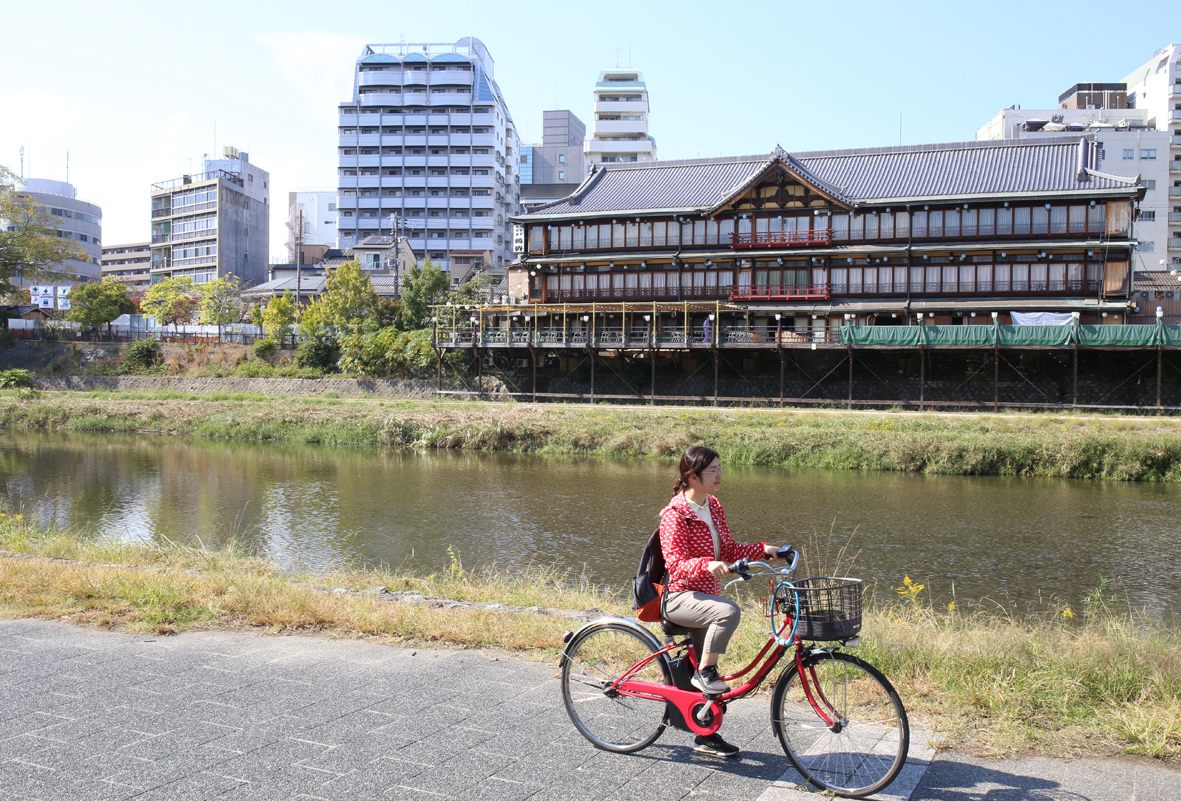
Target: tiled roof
859,177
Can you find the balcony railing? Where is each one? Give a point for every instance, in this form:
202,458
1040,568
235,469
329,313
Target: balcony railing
637,293
779,292
640,336
773,239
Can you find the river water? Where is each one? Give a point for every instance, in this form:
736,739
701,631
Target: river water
1009,541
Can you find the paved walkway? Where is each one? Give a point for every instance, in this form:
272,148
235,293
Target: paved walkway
89,715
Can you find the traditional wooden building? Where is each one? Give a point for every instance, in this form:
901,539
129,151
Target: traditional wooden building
779,269
879,234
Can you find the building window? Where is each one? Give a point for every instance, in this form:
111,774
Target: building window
1146,216
1129,153
1149,183
561,175
561,158
1148,153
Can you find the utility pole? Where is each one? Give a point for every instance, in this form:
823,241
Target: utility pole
298,257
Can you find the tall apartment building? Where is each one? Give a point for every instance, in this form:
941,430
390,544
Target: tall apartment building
621,120
129,264
72,219
1155,87
427,147
1128,145
317,213
214,223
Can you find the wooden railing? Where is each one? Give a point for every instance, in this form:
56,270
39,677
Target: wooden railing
773,239
781,292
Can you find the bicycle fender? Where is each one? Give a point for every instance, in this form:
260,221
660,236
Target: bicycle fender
597,623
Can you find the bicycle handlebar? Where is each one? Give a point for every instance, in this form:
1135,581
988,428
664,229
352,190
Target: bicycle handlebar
742,567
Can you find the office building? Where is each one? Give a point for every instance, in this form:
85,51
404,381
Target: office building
554,168
72,219
1127,144
214,223
559,159
428,150
128,264
621,120
1155,87
317,213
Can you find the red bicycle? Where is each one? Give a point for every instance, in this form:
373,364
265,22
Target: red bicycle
839,720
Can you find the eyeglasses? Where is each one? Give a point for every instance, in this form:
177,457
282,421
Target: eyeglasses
713,471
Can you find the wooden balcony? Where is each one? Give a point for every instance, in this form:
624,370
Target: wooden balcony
781,292
779,239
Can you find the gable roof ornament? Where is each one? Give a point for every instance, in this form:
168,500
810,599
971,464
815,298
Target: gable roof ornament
783,161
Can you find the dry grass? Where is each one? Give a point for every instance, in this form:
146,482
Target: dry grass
1100,683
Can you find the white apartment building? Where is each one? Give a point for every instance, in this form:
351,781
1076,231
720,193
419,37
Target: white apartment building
621,120
70,218
1127,146
214,223
1155,87
317,213
427,148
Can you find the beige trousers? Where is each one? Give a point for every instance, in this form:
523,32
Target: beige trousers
713,618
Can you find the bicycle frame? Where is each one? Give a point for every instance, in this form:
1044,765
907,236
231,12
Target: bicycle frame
691,703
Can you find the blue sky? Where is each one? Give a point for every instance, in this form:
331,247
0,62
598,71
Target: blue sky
138,91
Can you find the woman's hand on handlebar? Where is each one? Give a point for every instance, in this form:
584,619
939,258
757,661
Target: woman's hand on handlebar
717,568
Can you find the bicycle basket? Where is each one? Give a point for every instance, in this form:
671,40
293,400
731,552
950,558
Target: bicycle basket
830,608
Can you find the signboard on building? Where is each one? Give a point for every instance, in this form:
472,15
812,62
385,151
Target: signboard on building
44,301
63,291
518,238
64,304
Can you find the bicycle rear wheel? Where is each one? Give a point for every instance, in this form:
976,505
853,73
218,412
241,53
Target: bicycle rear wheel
613,722
866,746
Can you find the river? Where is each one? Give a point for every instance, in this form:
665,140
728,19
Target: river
1015,542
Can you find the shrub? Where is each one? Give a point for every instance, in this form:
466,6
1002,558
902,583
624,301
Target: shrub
16,379
318,352
142,354
266,348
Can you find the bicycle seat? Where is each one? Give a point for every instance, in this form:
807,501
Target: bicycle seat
673,630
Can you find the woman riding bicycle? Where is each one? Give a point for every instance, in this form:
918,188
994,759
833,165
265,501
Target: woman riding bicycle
697,545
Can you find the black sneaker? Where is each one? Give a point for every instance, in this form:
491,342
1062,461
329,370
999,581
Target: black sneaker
714,746
709,682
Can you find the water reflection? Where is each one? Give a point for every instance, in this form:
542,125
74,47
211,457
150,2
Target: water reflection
1009,539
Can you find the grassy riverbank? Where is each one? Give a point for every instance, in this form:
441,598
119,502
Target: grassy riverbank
1056,445
1092,681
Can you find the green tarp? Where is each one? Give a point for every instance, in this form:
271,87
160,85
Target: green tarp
1129,336
890,335
1032,335
1132,336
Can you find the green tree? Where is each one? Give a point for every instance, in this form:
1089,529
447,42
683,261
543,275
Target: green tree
98,304
423,286
277,316
347,306
173,301
222,303
472,291
28,244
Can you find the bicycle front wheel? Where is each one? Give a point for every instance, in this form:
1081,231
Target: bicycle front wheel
864,746
613,722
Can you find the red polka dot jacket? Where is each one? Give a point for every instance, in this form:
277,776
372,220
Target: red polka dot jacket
688,546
